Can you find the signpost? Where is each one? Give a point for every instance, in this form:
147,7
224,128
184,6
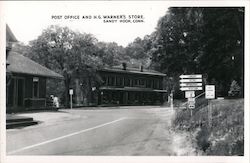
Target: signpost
71,93
190,84
210,94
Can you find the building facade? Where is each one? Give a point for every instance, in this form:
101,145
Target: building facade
130,86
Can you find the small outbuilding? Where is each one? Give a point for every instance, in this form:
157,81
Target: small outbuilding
26,80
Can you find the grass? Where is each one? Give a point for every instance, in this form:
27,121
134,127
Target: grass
225,136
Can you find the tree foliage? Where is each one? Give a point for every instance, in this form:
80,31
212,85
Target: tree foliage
66,52
201,40
111,54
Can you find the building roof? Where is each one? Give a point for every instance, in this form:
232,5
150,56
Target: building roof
119,69
132,89
10,37
23,65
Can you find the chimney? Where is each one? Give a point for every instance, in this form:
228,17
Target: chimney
124,66
141,67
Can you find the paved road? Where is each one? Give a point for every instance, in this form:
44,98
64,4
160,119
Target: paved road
127,131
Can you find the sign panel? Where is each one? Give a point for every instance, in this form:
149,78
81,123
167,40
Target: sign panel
191,76
71,91
189,94
191,88
35,79
191,104
210,91
190,80
191,99
190,84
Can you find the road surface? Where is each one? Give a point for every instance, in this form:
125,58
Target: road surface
127,131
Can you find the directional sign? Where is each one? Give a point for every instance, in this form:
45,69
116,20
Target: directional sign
190,80
190,84
191,88
191,76
210,91
189,94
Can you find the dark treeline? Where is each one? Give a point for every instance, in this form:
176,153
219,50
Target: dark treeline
208,41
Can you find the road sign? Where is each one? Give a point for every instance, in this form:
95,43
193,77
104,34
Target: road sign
191,88
191,99
189,94
190,80
191,104
191,76
210,91
71,91
190,84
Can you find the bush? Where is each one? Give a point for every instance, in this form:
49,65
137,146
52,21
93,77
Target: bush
235,90
202,138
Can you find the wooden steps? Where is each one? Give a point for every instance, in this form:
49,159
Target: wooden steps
13,121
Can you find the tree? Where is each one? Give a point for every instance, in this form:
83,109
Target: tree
201,40
234,89
139,51
111,54
223,40
65,52
178,34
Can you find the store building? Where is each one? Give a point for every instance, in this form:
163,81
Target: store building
130,86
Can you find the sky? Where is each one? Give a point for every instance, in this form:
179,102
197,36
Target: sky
27,20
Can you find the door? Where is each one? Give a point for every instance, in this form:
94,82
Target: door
121,102
18,92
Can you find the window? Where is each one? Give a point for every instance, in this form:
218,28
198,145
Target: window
156,84
127,82
142,82
104,80
111,81
35,87
119,81
149,84
139,82
136,82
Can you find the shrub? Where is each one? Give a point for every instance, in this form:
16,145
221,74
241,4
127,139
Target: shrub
235,89
202,138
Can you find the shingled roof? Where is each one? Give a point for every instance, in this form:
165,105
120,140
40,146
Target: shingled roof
23,65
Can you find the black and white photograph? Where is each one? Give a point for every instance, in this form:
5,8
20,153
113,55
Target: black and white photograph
125,78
